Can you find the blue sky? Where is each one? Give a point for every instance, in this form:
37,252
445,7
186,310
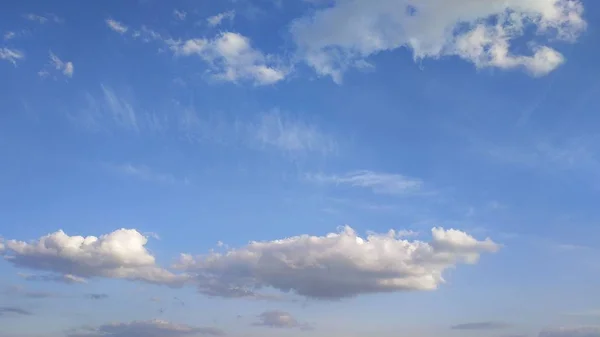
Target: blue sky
199,168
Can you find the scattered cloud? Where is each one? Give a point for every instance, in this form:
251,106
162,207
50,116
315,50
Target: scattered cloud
335,266
66,278
216,20
66,68
481,326
116,26
11,55
571,332
334,38
42,19
121,254
280,319
179,14
9,35
153,328
143,172
14,310
383,183
232,58
97,296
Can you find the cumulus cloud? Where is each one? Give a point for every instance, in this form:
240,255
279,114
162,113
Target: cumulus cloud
482,32
116,26
280,319
14,310
571,332
121,254
384,183
216,20
335,266
232,58
480,326
11,55
152,328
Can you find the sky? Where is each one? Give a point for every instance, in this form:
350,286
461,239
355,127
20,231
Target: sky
299,168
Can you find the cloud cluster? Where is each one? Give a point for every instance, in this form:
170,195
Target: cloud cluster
344,34
116,26
232,58
66,68
335,266
120,254
216,20
280,319
152,328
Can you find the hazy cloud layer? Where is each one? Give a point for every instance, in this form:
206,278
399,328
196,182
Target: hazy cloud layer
153,328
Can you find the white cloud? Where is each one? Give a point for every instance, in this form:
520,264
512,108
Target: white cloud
218,19
49,17
11,55
179,15
232,58
384,183
152,328
65,67
280,319
480,31
571,332
336,265
121,254
116,26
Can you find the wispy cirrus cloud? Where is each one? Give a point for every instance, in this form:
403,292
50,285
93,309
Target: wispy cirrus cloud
280,319
152,328
383,183
42,19
5,311
11,55
143,172
179,14
66,278
490,325
65,68
116,26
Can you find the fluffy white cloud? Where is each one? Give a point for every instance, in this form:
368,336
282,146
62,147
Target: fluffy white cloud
116,26
336,265
216,20
571,332
153,328
11,55
232,58
385,183
483,32
120,254
280,319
